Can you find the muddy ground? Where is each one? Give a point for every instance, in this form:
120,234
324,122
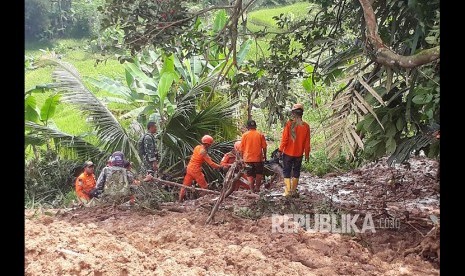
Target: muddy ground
246,239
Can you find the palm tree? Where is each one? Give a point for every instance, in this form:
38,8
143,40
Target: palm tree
111,136
181,132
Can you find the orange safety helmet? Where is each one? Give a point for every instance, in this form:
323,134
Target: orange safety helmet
237,146
297,106
207,139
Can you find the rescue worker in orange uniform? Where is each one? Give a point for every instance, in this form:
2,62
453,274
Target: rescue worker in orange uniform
194,168
253,149
228,159
295,141
85,182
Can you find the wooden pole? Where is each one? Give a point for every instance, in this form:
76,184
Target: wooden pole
187,187
227,188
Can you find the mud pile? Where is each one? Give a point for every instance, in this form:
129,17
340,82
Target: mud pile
176,241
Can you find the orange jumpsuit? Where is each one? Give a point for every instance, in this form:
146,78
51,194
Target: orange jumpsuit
253,144
296,144
194,169
227,161
84,184
253,149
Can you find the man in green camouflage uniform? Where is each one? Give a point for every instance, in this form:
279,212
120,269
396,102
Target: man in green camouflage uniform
114,181
150,154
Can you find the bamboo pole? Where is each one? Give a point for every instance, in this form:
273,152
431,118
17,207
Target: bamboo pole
227,188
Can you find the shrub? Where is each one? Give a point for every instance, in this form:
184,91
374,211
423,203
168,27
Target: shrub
319,164
48,180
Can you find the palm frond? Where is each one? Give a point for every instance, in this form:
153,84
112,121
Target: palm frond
341,59
184,129
368,106
112,86
415,143
371,90
356,137
348,107
67,144
109,131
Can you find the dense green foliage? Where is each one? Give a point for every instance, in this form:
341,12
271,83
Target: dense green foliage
49,180
46,19
377,106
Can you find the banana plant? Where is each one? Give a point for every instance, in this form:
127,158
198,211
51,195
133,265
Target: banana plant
38,115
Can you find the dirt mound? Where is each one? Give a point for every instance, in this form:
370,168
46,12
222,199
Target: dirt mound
116,242
176,241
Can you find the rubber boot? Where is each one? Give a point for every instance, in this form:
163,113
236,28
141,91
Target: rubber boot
294,183
258,182
287,186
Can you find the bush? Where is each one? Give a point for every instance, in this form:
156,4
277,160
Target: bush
319,164
48,180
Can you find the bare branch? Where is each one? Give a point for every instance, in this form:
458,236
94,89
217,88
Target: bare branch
383,54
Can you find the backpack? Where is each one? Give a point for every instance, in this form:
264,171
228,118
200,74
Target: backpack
116,186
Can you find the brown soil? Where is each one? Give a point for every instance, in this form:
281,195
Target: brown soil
176,241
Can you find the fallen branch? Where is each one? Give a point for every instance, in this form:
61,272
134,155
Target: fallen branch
176,209
416,229
233,197
182,186
228,187
429,244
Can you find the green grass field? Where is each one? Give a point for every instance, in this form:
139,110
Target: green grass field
263,19
73,53
258,20
67,118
